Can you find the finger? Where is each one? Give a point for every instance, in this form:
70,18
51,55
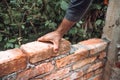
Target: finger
41,39
44,39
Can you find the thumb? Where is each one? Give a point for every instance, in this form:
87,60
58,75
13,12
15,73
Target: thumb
56,46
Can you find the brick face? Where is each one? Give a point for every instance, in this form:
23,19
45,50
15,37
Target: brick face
88,75
75,75
58,74
98,71
102,55
96,66
91,41
11,61
36,79
68,78
37,70
79,54
97,48
94,45
98,77
38,51
83,62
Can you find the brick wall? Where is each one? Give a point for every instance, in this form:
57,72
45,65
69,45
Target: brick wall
37,61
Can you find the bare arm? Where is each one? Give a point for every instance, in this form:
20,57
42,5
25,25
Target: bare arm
74,13
56,35
64,26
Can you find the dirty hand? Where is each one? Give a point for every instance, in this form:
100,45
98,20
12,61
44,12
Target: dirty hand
53,37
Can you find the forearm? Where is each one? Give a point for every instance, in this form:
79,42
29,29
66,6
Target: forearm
74,13
64,26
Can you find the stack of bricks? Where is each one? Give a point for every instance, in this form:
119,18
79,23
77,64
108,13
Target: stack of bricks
37,61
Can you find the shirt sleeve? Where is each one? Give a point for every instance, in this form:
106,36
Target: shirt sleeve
77,9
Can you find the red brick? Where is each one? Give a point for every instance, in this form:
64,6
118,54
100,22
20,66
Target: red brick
67,78
98,71
79,54
98,77
75,75
94,45
11,61
37,51
88,75
78,74
80,78
102,55
58,74
37,70
91,41
65,47
95,66
36,79
83,62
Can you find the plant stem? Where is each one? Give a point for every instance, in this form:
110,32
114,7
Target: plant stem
9,11
33,27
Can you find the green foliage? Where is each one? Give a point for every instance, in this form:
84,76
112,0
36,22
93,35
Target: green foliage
91,24
23,21
64,5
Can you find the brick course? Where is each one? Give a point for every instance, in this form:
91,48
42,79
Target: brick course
94,45
83,62
38,51
79,54
37,70
11,61
57,74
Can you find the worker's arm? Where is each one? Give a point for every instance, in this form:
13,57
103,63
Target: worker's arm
74,13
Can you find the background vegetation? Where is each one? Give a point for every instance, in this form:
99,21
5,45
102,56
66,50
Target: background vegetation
23,21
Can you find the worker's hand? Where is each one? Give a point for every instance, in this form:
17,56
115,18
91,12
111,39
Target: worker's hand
53,37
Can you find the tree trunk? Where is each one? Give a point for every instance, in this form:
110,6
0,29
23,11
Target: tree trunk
111,32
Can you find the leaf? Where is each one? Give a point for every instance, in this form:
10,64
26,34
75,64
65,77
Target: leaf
23,27
52,25
64,5
97,6
39,1
12,40
13,1
9,45
6,21
29,18
80,22
73,31
17,46
98,22
78,25
26,7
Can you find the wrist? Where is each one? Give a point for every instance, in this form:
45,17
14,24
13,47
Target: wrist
58,32
64,26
